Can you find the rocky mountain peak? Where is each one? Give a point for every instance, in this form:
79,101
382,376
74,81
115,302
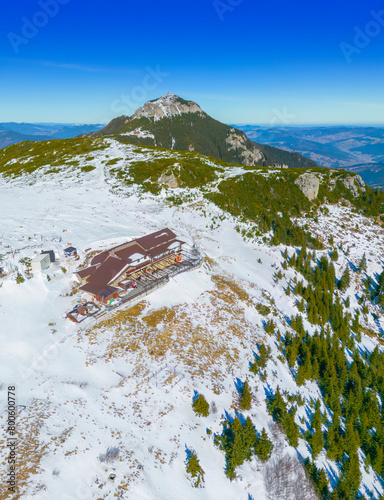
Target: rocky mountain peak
166,106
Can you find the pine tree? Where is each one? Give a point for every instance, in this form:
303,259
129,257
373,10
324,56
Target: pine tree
200,406
315,369
195,471
318,477
263,357
291,429
334,442
316,439
379,291
277,407
270,326
249,437
300,378
362,267
347,302
246,397
351,439
334,255
237,453
263,446
356,323
345,280
349,481
317,443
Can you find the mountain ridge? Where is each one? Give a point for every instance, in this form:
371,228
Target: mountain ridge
172,122
12,132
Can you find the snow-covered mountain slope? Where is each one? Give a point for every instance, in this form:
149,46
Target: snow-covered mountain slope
126,383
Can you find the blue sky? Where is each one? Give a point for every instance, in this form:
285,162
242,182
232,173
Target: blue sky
243,61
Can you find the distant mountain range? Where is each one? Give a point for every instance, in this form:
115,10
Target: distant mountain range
359,149
173,123
11,133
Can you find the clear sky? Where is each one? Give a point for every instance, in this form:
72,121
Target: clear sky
243,61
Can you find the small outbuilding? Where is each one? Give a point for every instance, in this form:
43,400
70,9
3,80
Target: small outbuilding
104,294
82,310
51,254
40,262
70,252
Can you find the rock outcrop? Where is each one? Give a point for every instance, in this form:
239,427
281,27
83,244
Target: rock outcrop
354,183
240,141
166,106
169,180
309,185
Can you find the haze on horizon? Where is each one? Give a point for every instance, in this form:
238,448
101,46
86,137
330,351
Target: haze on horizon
243,62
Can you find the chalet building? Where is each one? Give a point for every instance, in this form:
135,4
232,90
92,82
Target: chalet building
70,252
40,262
51,254
103,278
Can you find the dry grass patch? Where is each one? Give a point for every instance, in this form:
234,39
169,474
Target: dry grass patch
30,449
203,337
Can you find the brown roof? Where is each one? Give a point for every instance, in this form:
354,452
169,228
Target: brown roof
84,273
99,258
157,238
100,290
82,310
163,248
106,271
109,264
125,252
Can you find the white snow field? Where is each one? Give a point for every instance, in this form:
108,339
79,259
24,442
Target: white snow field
127,382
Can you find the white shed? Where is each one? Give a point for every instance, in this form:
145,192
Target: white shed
41,262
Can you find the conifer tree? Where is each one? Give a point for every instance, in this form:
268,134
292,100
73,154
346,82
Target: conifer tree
379,291
291,429
351,439
318,477
276,407
270,326
263,356
300,379
195,471
200,406
238,453
263,446
349,481
334,441
356,323
317,443
249,438
362,267
345,279
334,255
316,439
246,397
